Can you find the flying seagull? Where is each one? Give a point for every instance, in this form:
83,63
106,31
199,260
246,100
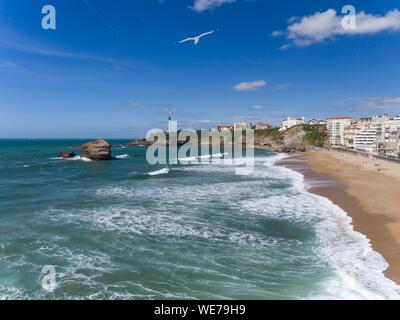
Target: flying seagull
196,39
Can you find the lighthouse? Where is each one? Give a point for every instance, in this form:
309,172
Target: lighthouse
169,124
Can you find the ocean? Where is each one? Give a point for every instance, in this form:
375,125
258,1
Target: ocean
124,229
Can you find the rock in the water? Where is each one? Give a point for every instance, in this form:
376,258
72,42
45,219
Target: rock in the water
139,142
97,150
66,154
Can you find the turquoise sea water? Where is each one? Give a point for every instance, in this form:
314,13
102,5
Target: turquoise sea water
113,231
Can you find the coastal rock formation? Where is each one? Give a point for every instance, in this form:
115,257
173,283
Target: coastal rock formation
66,154
296,139
293,139
138,142
97,150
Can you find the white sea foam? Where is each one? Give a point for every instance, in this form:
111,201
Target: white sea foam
159,172
207,156
217,155
187,159
358,269
76,158
176,211
136,221
122,156
11,293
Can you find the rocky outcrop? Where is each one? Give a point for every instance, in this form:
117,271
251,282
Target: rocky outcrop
139,142
296,139
293,139
97,150
66,154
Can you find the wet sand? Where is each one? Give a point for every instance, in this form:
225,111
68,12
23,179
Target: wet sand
367,189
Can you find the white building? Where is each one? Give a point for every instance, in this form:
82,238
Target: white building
380,119
336,126
242,126
350,134
316,122
366,140
388,137
291,122
224,127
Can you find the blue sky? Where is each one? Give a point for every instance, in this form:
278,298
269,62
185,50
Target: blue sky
111,68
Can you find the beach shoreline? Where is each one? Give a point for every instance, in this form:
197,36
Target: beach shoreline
367,189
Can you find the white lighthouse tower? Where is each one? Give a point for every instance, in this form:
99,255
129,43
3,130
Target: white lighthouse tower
169,124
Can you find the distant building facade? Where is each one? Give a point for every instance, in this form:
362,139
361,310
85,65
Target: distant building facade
366,140
336,127
224,127
291,122
350,134
379,135
388,137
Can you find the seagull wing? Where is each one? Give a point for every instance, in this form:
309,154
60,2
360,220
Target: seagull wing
197,38
185,40
207,33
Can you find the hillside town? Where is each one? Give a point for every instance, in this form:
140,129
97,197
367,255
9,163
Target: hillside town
378,135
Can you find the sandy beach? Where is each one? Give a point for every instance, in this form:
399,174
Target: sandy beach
368,189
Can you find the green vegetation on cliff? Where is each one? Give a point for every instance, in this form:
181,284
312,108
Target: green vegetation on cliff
295,138
315,135
268,133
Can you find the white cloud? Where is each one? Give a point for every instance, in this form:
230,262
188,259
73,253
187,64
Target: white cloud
204,5
258,107
391,101
322,26
376,104
8,65
278,33
204,121
248,86
285,46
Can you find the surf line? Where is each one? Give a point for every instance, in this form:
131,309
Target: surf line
165,310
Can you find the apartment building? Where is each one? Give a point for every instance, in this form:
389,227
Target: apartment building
336,127
350,134
365,140
388,137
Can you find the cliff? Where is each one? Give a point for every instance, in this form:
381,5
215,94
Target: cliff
298,138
